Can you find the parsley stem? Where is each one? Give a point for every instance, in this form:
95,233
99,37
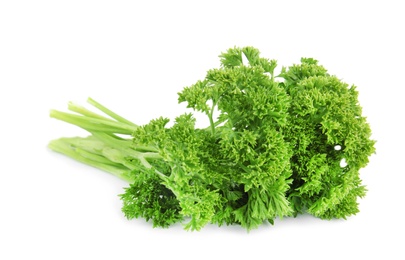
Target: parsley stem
64,146
210,116
94,124
109,112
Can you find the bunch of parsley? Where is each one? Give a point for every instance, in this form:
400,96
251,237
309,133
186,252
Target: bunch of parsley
278,146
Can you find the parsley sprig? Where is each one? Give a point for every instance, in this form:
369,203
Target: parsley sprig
275,146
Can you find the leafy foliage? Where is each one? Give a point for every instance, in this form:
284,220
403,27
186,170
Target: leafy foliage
326,128
272,148
149,199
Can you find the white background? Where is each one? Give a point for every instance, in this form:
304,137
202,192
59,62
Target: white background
134,58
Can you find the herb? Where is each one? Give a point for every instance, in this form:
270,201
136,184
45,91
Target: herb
278,145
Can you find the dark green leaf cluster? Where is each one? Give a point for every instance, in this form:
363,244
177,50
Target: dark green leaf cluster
146,197
276,146
330,139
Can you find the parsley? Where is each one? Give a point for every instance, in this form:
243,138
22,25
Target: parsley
276,148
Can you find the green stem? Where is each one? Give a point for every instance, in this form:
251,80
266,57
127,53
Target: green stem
95,157
104,149
94,124
210,116
85,112
64,147
126,150
109,112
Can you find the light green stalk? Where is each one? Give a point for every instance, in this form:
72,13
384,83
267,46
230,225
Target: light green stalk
103,149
